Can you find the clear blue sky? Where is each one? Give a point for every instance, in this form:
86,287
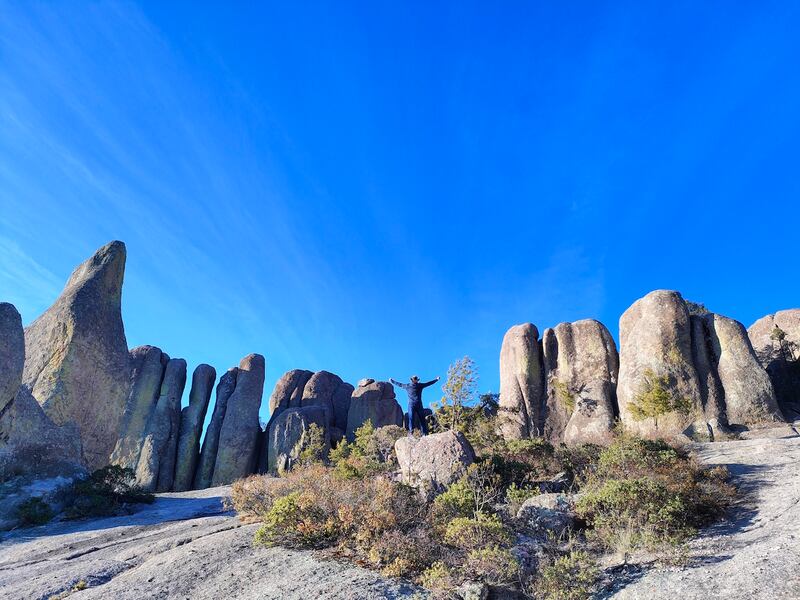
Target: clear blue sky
379,188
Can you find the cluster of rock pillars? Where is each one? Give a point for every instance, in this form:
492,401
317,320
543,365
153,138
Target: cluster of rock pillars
72,393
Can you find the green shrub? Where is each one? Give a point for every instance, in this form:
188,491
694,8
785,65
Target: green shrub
103,493
439,577
370,453
456,501
656,398
569,577
34,511
313,447
646,494
493,565
471,533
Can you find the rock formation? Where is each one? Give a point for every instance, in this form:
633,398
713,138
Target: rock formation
12,353
521,383
434,461
341,408
29,440
191,427
580,366
156,467
237,452
656,367
147,372
319,391
687,374
749,395
776,341
77,364
288,391
373,401
288,435
208,454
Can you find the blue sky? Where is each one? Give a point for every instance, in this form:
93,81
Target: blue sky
380,188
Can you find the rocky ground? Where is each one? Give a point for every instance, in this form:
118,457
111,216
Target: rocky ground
186,545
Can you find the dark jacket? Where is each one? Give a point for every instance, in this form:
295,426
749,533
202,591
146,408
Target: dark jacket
414,390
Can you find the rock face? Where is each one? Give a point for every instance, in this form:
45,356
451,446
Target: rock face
581,366
703,363
288,435
238,438
521,383
433,462
319,391
191,427
342,398
29,441
147,372
288,391
655,354
77,364
12,353
373,401
208,455
156,467
749,396
776,341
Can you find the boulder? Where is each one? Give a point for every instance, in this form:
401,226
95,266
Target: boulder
521,383
208,454
547,513
711,391
288,391
191,427
12,353
376,402
580,367
238,438
776,341
156,467
749,395
433,462
319,391
656,356
31,444
147,372
77,363
288,435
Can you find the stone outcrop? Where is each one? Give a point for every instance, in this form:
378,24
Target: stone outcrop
656,354
12,353
341,407
29,440
156,466
288,391
208,454
749,395
319,391
703,366
147,372
776,342
521,383
238,439
288,435
433,462
191,427
77,363
580,366
373,401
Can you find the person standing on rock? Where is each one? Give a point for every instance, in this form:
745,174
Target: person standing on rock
414,390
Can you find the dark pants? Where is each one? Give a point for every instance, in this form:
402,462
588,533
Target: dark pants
415,411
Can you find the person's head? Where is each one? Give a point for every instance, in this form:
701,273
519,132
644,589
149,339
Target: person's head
414,379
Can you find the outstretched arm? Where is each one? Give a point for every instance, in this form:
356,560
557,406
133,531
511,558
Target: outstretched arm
397,383
431,382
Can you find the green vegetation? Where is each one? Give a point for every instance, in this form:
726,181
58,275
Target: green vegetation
34,511
459,392
655,398
636,495
565,395
107,491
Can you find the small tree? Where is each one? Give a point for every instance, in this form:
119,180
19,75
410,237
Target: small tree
786,346
459,390
655,398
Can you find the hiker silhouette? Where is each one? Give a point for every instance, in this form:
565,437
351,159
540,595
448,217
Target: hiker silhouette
414,390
